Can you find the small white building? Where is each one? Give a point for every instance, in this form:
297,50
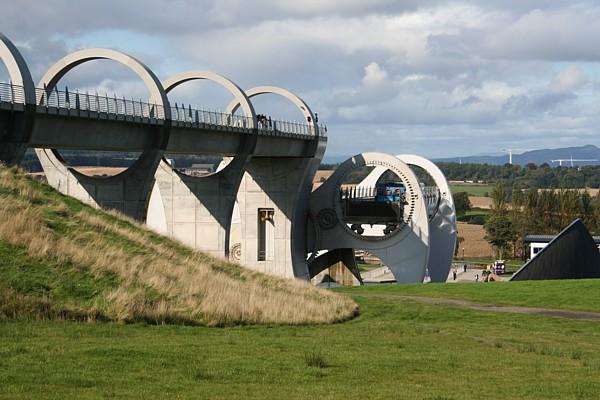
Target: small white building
537,242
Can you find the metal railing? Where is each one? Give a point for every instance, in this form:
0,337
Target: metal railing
431,194
358,192
10,93
97,103
151,113
196,116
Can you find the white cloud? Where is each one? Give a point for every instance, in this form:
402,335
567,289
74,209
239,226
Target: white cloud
374,75
570,79
482,73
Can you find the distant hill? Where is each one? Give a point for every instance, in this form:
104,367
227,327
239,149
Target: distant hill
536,157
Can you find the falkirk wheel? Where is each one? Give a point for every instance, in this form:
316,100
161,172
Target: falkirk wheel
441,214
259,207
341,219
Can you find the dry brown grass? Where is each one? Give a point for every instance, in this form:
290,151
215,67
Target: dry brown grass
162,281
481,202
475,245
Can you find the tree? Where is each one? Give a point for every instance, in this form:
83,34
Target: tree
462,203
597,213
499,227
499,197
569,208
517,219
499,232
586,211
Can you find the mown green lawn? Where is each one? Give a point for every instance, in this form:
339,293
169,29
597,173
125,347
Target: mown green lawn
473,190
476,216
477,212
583,295
394,349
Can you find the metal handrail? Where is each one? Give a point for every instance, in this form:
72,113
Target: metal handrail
10,93
120,106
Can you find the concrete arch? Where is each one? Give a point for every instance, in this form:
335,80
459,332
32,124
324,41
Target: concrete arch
296,100
240,98
442,225
17,68
15,135
128,191
405,251
198,210
158,94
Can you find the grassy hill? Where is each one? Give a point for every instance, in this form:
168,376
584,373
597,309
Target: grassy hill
61,259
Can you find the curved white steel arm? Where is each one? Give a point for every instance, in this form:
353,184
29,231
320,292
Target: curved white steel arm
442,225
405,251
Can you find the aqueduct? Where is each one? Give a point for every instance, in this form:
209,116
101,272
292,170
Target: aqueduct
281,226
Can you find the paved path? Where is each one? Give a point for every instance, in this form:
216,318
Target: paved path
469,276
570,314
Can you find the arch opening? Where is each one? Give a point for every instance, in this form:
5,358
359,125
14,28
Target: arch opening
308,124
374,211
196,96
98,84
17,91
145,97
4,75
428,185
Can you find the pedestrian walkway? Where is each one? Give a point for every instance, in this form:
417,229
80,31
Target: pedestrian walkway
469,276
551,312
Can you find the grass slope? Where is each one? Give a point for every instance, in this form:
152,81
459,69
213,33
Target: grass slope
394,349
582,295
62,259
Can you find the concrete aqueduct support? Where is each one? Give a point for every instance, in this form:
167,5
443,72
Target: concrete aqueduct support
198,210
16,130
273,202
442,223
405,250
129,191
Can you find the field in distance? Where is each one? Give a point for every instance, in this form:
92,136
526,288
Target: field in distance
474,189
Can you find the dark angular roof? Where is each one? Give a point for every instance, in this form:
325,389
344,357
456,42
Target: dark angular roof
572,254
548,238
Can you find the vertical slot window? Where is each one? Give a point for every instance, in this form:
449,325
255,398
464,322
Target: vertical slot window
266,234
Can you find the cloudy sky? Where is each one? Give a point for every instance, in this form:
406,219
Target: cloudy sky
436,78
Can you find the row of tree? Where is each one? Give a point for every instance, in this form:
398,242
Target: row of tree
531,175
516,213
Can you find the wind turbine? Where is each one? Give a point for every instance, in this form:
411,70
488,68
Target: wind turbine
571,160
509,151
510,154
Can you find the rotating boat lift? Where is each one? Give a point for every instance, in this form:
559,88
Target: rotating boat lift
269,177
423,240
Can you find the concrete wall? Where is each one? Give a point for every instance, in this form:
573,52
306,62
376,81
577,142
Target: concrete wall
194,210
270,184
